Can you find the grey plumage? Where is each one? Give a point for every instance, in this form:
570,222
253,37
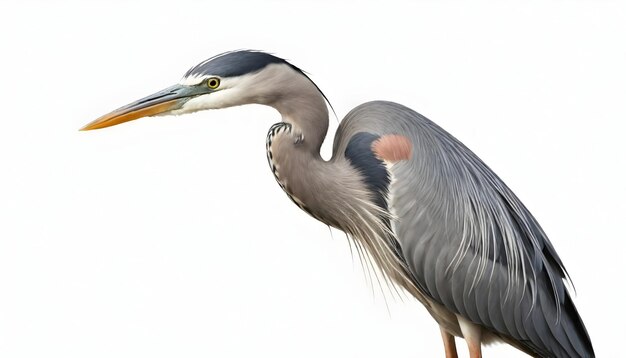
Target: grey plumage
434,218
454,215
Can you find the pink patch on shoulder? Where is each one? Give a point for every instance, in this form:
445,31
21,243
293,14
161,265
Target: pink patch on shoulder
392,148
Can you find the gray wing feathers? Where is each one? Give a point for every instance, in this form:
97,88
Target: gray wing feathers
469,241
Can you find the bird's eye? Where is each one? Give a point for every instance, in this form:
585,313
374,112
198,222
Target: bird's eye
213,82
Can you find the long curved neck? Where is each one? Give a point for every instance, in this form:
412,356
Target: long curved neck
309,117
302,105
330,191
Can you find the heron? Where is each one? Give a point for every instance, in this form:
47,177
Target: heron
436,220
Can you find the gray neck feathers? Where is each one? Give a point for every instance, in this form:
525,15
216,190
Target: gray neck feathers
299,102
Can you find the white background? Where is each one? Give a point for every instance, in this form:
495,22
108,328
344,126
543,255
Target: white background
168,237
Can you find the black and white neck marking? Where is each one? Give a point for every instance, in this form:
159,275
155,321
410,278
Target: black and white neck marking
277,130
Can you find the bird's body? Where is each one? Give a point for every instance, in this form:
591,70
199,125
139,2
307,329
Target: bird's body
474,254
436,220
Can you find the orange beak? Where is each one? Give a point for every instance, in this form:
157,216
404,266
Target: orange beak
162,102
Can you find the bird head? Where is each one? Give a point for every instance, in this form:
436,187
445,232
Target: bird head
226,80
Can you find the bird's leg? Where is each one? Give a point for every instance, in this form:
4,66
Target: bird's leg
448,343
473,335
474,349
